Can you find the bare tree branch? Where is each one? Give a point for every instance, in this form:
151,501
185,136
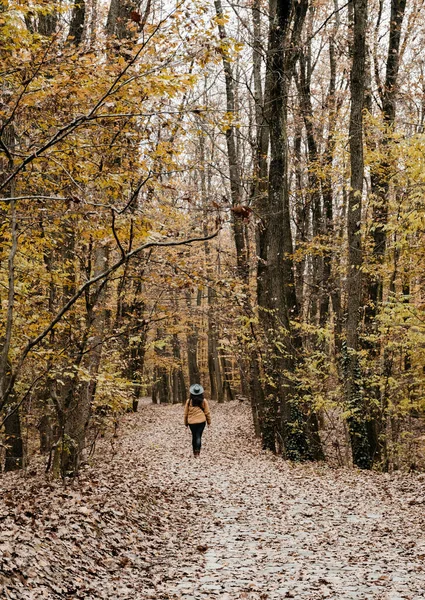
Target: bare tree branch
8,200
127,256
64,131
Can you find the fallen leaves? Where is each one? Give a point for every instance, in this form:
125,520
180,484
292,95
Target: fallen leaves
149,522
415,501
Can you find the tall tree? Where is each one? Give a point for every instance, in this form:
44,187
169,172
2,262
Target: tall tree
331,290
236,188
314,191
285,418
76,26
381,174
353,385
193,337
10,408
121,14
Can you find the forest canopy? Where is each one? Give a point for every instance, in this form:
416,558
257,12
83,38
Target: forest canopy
221,193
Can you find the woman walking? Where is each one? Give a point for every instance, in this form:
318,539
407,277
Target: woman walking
196,414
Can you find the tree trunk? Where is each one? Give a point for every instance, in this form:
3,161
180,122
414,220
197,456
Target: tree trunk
92,26
46,432
227,389
161,375
353,395
162,385
135,339
13,438
119,18
214,368
80,394
380,186
216,380
232,157
65,391
301,215
8,407
76,28
260,161
178,382
48,22
329,286
192,340
313,182
136,362
286,425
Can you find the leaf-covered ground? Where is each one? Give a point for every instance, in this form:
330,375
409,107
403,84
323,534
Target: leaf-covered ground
147,521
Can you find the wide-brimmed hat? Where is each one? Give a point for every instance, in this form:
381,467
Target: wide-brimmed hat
196,389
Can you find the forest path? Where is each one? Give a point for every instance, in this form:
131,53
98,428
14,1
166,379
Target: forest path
271,530
147,521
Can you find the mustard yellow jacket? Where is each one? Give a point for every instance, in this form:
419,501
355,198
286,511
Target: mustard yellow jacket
195,414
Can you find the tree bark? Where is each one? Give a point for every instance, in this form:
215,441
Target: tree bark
329,286
178,382
260,162
161,375
353,385
380,177
192,341
232,155
12,424
47,23
301,214
286,424
119,18
14,458
79,395
76,28
380,186
315,203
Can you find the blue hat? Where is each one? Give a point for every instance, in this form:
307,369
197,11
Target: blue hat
196,389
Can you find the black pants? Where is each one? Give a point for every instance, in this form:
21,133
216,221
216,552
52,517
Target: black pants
197,430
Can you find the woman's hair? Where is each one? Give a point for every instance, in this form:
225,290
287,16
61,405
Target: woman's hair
197,399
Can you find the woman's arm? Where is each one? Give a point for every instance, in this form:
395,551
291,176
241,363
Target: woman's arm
207,412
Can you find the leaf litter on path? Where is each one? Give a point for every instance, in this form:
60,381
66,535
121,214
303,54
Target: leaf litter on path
147,521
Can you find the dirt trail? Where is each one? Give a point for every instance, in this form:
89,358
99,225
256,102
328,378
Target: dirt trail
131,526
272,530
